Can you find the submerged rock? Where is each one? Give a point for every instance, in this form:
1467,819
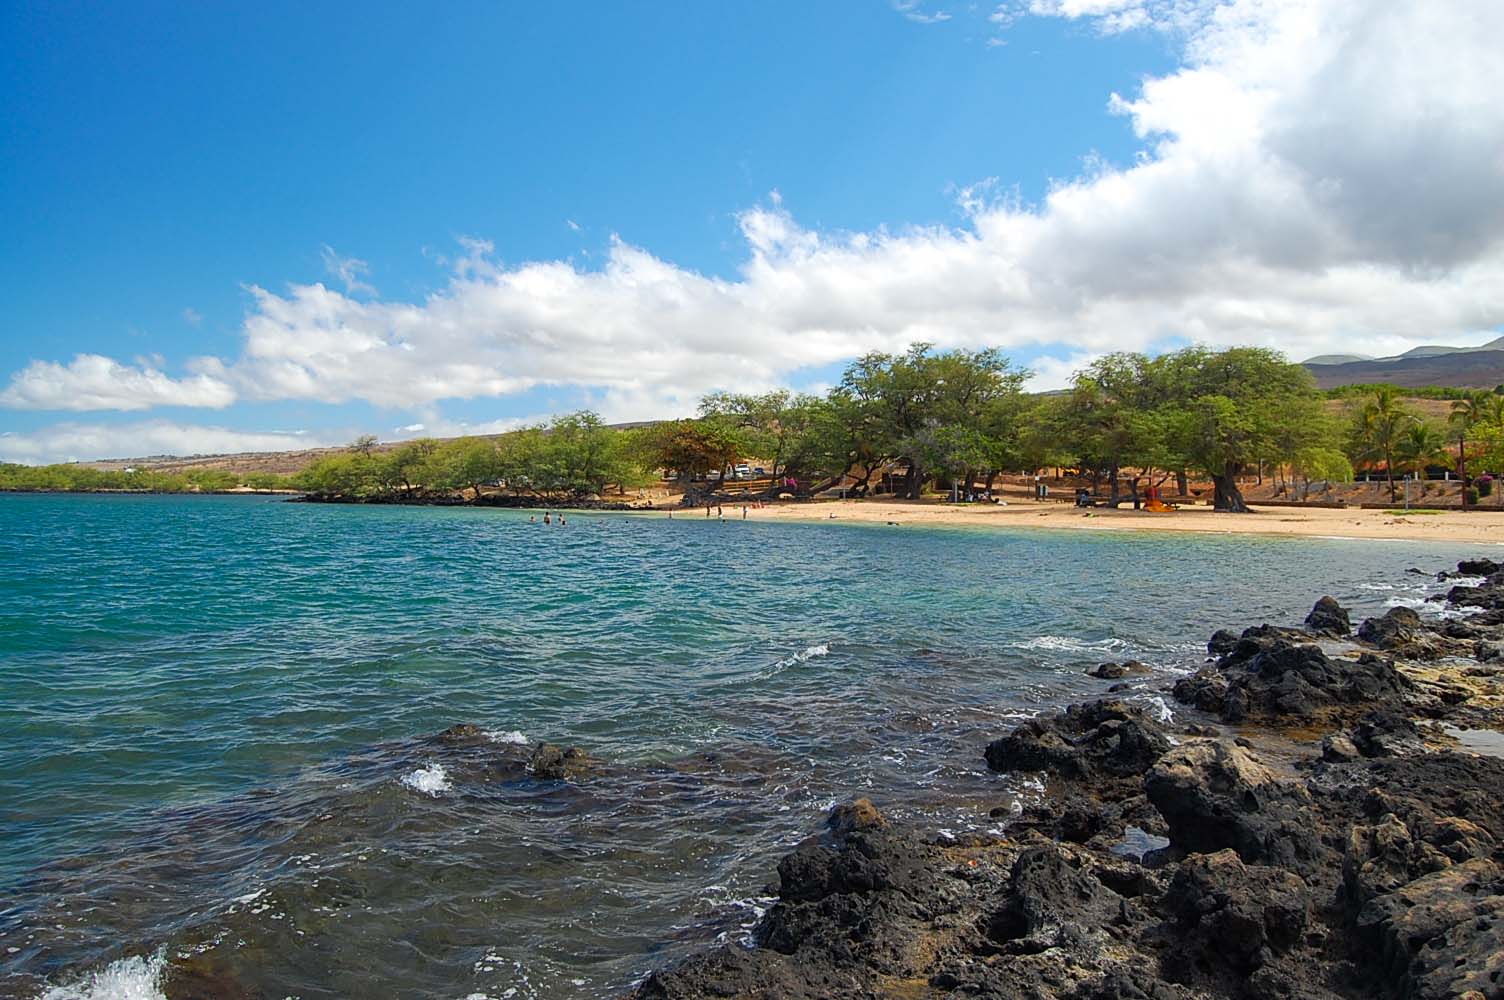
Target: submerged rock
1117,671
555,763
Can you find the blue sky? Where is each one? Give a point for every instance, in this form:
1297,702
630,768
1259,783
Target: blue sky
279,223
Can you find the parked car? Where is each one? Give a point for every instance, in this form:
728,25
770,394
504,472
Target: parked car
742,471
759,471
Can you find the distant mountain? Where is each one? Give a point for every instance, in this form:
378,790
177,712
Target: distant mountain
1335,359
1458,367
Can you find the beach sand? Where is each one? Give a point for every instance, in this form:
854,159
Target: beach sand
1485,527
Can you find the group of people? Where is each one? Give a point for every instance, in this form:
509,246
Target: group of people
533,518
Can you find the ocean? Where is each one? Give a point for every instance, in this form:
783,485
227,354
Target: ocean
220,722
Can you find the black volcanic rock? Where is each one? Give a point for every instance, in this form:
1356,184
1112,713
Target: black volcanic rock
1329,618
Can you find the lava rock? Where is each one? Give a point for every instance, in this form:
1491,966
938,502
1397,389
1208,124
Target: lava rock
1215,795
554,763
1278,678
1329,618
1441,935
1241,914
1099,739
1387,734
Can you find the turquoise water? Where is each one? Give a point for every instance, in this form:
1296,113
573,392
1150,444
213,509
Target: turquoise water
218,719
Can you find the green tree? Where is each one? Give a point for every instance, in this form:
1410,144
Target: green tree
1221,410
1378,427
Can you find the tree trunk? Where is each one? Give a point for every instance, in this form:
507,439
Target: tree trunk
916,479
1115,499
1182,483
993,475
1227,496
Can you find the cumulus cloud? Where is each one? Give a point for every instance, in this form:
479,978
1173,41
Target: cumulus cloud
95,382
1314,177
71,442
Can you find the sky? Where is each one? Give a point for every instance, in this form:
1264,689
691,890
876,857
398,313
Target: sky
283,225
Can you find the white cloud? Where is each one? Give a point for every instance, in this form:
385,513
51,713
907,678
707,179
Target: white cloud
349,271
1315,177
94,382
71,442
914,11
192,316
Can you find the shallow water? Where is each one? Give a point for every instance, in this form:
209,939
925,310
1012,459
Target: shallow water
217,720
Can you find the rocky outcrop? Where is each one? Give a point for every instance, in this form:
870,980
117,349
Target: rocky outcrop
1329,618
1355,862
1101,739
1268,677
1214,795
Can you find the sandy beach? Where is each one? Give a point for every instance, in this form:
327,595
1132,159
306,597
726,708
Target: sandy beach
1486,527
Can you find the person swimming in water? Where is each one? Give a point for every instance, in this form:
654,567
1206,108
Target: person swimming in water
561,520
532,519
545,518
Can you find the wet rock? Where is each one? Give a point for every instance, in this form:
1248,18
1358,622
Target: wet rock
1216,795
849,817
1222,642
1241,914
555,763
1329,618
1099,739
1117,671
1400,631
1479,567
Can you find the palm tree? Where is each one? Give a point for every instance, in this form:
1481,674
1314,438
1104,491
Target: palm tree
1421,446
1381,424
1467,413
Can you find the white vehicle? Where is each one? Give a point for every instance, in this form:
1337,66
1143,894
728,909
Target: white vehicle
743,471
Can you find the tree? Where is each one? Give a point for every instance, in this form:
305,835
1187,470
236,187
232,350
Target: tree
1380,423
1467,413
1221,410
1421,446
364,444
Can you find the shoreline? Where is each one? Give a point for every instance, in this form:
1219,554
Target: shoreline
1313,821
1477,527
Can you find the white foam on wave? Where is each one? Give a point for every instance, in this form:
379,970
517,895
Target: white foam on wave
135,978
1433,608
1156,706
431,780
807,653
513,736
1070,644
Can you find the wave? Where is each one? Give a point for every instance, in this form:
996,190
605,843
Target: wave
1433,608
1070,644
431,780
807,653
134,978
513,736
